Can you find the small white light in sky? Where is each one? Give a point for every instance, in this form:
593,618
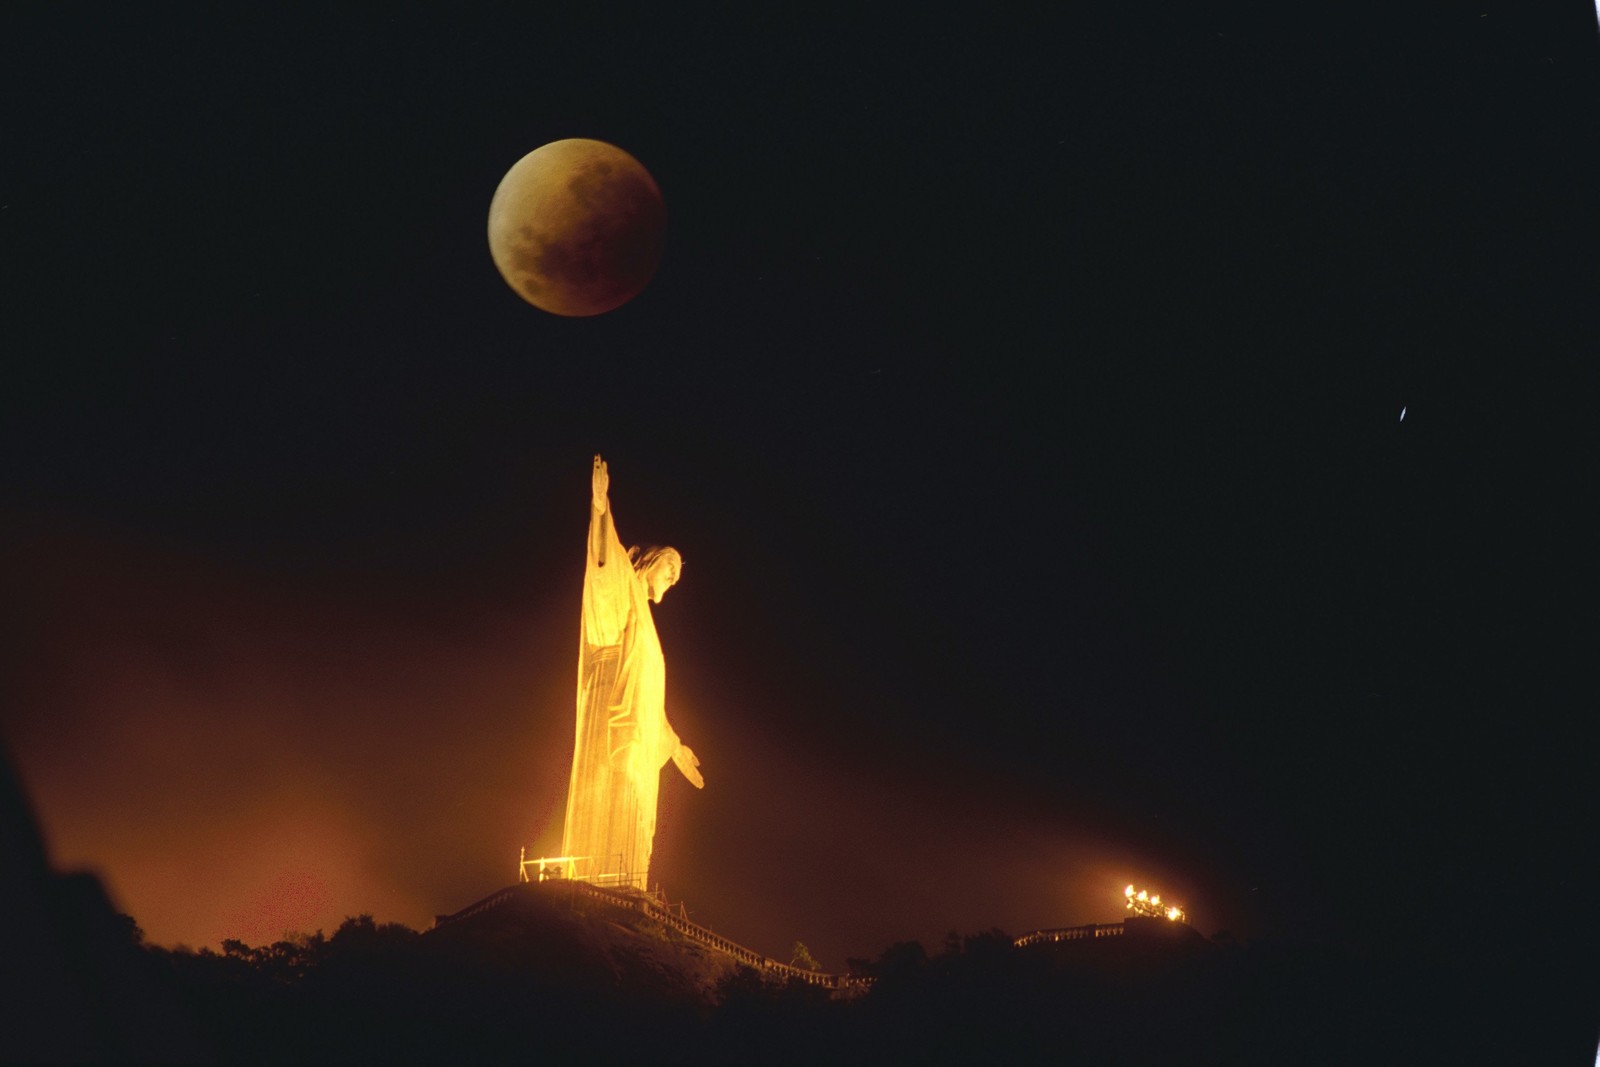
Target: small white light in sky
1402,406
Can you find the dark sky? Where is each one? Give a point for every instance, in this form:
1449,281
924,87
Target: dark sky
1024,396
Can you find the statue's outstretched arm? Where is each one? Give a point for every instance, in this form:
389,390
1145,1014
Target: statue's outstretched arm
608,580
689,764
599,488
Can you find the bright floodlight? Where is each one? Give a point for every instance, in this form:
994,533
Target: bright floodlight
1143,902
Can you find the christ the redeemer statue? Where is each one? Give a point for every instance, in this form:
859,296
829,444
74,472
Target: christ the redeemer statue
623,738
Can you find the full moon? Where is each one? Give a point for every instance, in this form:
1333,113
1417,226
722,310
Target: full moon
577,227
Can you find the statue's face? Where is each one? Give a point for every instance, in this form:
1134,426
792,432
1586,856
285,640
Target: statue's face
663,575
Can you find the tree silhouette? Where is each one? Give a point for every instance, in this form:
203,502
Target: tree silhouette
802,958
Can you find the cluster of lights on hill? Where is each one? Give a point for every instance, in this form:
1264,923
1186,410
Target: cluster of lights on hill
1141,902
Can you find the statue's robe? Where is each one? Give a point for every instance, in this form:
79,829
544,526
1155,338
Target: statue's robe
623,738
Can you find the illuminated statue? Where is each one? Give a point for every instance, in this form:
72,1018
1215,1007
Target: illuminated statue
623,737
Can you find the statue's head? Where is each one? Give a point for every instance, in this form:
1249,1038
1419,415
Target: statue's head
659,569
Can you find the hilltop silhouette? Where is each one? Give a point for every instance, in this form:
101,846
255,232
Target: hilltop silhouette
548,971
553,975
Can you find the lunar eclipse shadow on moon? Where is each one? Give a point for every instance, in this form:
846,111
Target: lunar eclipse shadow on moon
577,227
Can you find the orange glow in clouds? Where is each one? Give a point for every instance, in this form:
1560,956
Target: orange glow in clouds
296,902
238,757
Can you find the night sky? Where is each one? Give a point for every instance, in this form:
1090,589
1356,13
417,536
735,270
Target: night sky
1025,398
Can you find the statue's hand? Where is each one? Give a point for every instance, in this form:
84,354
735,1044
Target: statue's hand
600,483
688,763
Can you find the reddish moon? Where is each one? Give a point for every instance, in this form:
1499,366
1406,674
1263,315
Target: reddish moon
577,227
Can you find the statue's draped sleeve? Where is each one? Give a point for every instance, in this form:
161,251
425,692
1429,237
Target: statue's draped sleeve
608,583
